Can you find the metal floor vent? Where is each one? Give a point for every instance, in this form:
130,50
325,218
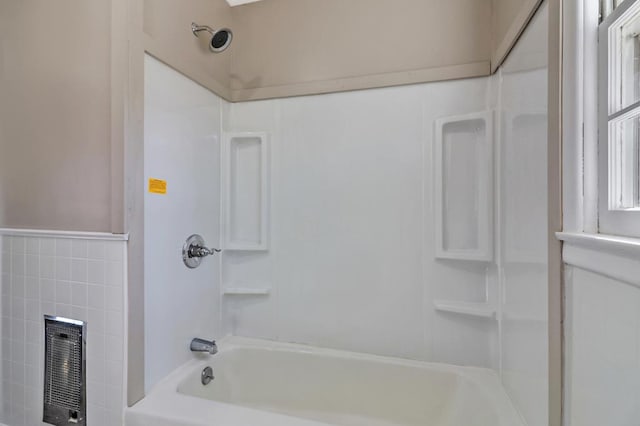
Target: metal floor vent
64,372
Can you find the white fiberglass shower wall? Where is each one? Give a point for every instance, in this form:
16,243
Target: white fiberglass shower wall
182,148
353,261
522,255
344,204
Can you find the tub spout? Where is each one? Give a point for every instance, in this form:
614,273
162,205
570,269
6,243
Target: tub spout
201,345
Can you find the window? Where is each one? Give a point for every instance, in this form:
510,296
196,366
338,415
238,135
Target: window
619,121
608,6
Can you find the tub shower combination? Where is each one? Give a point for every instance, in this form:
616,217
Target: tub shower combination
397,230
261,383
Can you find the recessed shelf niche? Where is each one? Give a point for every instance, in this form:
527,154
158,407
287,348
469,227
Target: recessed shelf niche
463,165
245,191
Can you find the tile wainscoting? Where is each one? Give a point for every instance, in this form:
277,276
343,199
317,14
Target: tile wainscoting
74,275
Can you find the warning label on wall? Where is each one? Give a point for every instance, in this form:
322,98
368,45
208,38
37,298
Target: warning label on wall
157,186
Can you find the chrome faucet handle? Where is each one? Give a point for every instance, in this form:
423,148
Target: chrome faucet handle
194,250
201,345
200,251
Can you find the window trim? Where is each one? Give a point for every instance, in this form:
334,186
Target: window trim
624,222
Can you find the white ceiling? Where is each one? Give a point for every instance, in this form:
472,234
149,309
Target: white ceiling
239,2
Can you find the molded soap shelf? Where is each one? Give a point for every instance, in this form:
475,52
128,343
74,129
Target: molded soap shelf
243,291
476,309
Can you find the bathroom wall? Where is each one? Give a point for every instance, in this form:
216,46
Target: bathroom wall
602,331
167,36
351,255
522,215
293,47
274,56
182,147
601,272
5,269
71,275
55,146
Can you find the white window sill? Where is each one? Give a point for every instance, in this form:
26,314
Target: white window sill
608,255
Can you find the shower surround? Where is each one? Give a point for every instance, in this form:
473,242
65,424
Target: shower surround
350,260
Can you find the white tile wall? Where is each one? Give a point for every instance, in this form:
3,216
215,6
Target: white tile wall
74,278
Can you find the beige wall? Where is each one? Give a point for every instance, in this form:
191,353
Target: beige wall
168,37
508,19
292,47
297,47
54,114
62,118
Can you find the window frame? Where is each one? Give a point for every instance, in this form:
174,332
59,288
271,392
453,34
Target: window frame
612,218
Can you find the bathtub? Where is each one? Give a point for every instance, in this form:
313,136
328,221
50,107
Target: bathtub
260,383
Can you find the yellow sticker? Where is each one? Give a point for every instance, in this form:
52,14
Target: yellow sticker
157,186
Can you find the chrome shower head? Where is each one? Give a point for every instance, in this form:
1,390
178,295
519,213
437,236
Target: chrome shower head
220,39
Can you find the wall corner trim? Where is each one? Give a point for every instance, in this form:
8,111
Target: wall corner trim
503,47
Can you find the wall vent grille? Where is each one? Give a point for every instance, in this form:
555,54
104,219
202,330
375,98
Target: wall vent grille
64,379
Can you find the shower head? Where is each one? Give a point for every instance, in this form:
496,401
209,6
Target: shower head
220,39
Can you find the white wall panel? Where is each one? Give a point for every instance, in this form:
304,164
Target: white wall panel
603,350
182,146
352,261
523,222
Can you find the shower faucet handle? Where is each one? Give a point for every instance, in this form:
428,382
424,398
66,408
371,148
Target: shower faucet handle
200,251
194,250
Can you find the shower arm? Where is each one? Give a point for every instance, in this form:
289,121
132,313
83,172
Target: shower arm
195,29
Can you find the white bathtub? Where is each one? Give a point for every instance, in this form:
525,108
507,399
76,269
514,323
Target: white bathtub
260,383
